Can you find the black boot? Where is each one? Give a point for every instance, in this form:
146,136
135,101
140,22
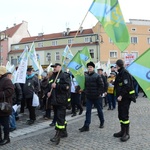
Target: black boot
126,135
64,132
5,140
84,128
119,134
0,135
56,138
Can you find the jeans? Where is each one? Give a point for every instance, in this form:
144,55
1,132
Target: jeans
111,101
97,104
12,119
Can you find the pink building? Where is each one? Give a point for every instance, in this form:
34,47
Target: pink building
11,36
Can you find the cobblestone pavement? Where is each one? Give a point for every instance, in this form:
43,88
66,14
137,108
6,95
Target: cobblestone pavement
95,139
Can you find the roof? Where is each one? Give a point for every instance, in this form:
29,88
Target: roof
11,31
55,36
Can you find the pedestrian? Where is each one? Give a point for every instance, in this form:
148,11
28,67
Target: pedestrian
59,94
125,94
6,92
94,88
30,87
110,93
75,97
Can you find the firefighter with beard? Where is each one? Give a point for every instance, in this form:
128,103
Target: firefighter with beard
125,93
59,95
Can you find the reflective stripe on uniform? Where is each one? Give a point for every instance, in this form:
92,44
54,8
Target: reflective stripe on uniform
65,122
120,84
124,122
60,127
132,92
51,81
69,99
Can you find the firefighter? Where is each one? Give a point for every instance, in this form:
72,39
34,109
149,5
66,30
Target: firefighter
124,92
59,99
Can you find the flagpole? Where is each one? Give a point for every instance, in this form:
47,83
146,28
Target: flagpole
70,47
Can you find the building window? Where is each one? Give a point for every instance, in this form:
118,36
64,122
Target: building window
133,29
48,57
148,40
135,54
57,56
16,47
54,43
134,40
113,54
92,53
148,30
40,44
87,40
70,41
110,40
123,54
1,49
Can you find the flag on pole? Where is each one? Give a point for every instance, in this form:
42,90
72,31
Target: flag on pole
67,53
109,14
22,69
33,57
22,55
140,70
76,68
85,56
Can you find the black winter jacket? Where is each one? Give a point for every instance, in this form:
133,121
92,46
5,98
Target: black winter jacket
61,93
94,86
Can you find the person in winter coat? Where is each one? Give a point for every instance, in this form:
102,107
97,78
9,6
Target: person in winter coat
59,92
94,88
125,93
30,87
6,92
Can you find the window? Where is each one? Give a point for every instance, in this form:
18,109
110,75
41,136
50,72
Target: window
54,43
135,54
92,53
1,48
57,56
87,40
70,41
110,40
48,57
133,29
134,40
148,40
113,54
148,30
40,44
123,54
16,47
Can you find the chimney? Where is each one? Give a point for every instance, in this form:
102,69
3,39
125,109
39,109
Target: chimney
68,31
40,34
64,33
6,28
14,24
81,30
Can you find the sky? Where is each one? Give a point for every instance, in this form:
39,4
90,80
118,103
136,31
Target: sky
52,16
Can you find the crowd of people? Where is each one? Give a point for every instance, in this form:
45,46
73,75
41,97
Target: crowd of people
58,91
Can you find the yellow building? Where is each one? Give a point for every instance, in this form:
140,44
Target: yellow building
139,31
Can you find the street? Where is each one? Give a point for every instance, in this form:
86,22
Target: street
38,137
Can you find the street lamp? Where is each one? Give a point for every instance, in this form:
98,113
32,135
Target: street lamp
2,37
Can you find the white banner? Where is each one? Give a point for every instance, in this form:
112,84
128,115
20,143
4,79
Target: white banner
129,58
22,69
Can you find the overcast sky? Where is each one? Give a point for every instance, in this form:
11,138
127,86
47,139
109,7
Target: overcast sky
52,16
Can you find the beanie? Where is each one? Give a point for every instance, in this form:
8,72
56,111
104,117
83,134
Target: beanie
91,64
120,63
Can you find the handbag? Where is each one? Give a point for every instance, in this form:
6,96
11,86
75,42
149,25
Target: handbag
5,107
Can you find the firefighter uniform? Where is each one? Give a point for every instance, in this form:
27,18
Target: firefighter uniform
124,92
59,99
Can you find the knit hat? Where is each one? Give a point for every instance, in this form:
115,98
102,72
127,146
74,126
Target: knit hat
44,74
120,63
91,64
3,70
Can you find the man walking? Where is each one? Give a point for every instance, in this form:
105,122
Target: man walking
94,88
59,94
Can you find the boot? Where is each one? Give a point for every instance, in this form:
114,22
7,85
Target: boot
84,128
56,138
119,134
64,132
126,135
0,135
5,140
